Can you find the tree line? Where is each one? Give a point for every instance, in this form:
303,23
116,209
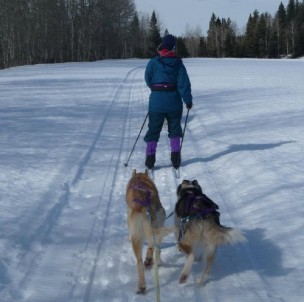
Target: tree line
265,36
46,31
49,31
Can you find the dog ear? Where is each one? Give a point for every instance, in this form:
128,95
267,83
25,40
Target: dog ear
146,172
133,172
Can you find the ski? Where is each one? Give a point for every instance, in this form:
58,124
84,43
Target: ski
176,172
151,173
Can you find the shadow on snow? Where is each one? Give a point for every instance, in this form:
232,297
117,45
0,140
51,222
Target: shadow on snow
236,148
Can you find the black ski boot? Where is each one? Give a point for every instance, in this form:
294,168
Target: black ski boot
150,161
175,159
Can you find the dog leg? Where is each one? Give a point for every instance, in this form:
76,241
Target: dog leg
137,248
186,248
149,257
149,254
129,222
209,255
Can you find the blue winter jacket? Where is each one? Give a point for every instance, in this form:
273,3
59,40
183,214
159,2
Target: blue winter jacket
168,70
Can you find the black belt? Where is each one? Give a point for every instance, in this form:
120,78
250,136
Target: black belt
163,87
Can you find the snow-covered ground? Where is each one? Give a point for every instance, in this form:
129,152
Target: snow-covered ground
67,129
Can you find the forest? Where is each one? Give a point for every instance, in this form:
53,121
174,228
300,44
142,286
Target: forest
55,31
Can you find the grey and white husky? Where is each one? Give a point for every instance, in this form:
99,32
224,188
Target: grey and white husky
198,228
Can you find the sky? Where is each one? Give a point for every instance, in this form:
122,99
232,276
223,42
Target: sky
177,15
66,131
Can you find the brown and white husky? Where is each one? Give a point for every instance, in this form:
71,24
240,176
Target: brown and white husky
146,217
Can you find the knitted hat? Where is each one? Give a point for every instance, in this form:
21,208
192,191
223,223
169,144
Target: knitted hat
168,42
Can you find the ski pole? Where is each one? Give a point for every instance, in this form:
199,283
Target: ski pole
126,164
184,129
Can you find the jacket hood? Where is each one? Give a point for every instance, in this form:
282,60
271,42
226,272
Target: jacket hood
169,63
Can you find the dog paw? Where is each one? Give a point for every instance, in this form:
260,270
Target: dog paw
141,291
148,263
182,278
160,262
201,280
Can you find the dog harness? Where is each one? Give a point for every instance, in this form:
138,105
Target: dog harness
147,201
198,213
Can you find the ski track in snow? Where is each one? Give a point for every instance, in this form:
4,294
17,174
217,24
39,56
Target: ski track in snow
74,247
101,224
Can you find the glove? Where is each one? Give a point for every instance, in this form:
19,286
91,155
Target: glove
189,106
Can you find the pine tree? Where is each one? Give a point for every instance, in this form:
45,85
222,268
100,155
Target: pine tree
228,38
229,44
181,48
291,26
262,37
280,23
251,37
136,38
213,37
153,35
203,48
299,32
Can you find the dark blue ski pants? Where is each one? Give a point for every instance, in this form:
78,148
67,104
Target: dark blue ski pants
156,121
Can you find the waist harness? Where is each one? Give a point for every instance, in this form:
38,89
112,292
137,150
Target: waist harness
163,87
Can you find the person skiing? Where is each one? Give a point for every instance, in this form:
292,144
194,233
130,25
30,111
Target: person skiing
170,86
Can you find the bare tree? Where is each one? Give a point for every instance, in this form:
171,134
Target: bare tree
193,39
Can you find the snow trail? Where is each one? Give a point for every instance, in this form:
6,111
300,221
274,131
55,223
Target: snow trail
67,129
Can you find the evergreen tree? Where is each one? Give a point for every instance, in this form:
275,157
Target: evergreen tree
203,48
280,25
181,48
291,26
262,37
136,38
229,44
291,11
228,39
251,37
269,39
299,30
239,47
153,35
213,41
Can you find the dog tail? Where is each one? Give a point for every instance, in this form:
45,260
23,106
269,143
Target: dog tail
225,235
138,225
140,228
162,232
